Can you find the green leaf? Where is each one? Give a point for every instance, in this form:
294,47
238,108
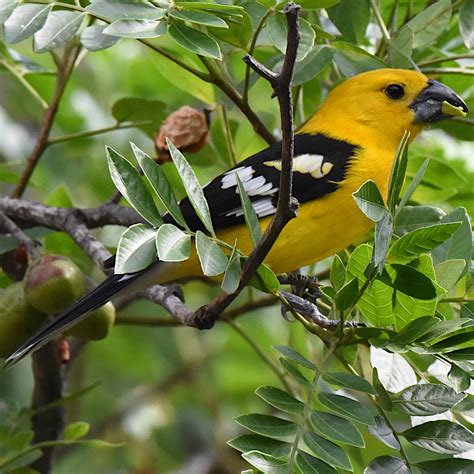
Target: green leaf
130,185
231,279
441,437
337,429
466,23
387,464
449,272
327,451
382,395
459,245
409,307
200,18
280,399
94,39
397,175
295,356
135,109
136,28
19,440
309,465
458,378
25,20
136,249
213,259
401,47
413,185
265,280
347,295
430,23
413,283
266,463
6,9
462,354
239,31
419,241
250,442
125,10
384,433
383,237
218,8
277,33
266,425
157,178
411,332
451,466
59,28
195,41
370,201
347,408
350,381
351,60
376,301
294,372
442,329
426,399
76,430
16,461
192,186
338,273
413,217
352,25
172,244
315,63
251,219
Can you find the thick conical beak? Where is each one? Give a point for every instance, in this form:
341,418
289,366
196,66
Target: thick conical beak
438,102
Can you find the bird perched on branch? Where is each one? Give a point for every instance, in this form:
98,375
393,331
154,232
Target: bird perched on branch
352,138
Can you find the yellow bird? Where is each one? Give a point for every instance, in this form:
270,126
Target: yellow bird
352,138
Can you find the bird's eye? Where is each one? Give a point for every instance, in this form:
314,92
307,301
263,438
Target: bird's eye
394,91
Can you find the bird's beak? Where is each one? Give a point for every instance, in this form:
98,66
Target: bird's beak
437,102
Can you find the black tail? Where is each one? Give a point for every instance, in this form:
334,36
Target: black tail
75,313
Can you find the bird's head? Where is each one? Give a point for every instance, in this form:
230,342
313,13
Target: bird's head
386,102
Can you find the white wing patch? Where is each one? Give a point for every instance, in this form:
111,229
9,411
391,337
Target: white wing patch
306,164
263,207
257,186
230,178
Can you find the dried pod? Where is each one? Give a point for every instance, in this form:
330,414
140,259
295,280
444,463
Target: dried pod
187,128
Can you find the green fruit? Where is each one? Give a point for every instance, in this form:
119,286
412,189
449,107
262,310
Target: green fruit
96,326
53,283
18,319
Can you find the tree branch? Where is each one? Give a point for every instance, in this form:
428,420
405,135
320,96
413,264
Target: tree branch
206,316
64,73
11,228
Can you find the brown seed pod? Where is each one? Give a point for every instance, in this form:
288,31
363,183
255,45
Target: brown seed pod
187,128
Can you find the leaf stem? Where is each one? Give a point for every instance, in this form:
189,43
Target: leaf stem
308,406
64,73
21,78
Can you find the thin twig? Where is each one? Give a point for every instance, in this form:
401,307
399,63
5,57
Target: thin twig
206,316
448,70
99,131
64,73
445,59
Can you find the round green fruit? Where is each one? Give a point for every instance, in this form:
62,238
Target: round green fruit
18,319
97,325
53,283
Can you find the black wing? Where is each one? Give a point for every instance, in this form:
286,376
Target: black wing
319,165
